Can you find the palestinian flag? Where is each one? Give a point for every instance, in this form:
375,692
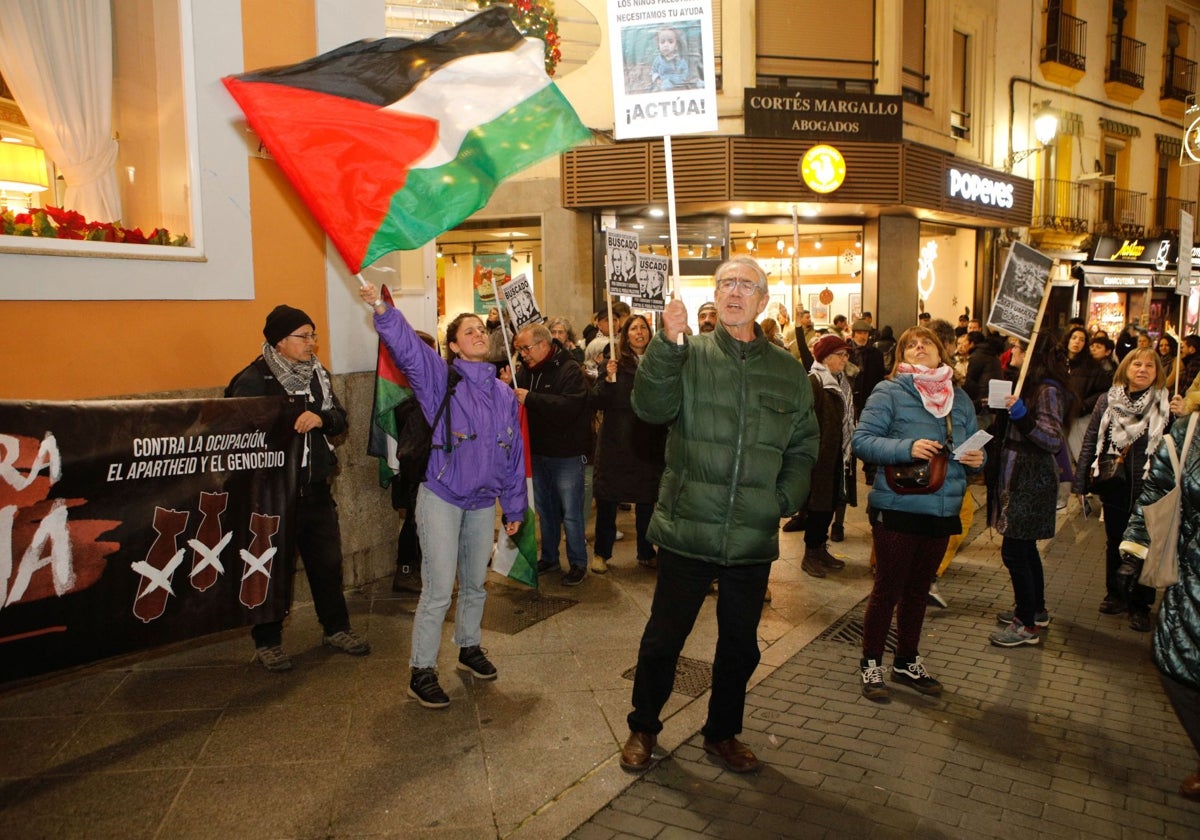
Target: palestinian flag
392,142
516,557
391,389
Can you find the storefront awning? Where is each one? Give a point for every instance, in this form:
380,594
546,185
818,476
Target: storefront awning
1116,277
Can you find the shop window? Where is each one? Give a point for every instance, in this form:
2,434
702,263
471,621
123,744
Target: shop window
914,82
143,181
800,44
169,112
960,91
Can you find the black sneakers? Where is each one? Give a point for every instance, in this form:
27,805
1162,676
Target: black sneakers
474,659
914,674
873,686
424,688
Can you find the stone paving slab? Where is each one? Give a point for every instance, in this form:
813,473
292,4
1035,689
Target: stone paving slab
1070,739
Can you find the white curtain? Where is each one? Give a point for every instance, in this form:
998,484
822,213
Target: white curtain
56,56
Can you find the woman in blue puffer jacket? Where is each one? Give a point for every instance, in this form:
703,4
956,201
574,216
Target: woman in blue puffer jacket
912,415
481,459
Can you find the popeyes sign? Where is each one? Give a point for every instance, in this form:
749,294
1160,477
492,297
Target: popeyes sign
980,189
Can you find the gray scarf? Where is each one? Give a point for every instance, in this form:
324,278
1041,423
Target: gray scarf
840,385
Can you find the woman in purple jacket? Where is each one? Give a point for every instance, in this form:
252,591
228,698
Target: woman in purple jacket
477,457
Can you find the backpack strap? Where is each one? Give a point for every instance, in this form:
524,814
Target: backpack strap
452,380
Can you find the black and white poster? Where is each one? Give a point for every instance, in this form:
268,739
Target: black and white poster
1019,295
652,282
126,525
621,257
520,302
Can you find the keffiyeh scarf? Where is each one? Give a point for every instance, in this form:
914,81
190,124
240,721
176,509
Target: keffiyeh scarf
935,385
296,378
1127,419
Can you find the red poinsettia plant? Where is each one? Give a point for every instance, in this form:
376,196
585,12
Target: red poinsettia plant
57,223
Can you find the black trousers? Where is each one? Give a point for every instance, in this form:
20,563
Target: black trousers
1139,598
680,591
319,543
1186,701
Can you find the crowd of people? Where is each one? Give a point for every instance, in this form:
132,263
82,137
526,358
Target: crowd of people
721,432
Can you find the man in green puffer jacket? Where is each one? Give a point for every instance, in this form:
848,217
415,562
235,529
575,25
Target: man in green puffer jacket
741,447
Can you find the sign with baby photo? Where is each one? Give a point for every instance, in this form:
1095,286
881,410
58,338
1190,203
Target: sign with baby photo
664,73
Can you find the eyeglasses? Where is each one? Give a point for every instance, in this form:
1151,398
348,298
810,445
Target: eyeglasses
527,347
312,336
746,287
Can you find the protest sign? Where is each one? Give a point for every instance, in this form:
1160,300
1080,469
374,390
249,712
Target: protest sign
621,246
1023,284
652,282
519,301
664,72
126,525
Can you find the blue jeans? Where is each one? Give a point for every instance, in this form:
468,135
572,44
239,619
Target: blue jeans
452,540
558,499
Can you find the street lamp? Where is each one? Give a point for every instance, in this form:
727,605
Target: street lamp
1045,129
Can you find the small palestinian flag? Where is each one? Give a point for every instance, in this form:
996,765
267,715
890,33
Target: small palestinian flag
391,389
392,142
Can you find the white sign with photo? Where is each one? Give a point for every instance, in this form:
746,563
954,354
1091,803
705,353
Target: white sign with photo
652,282
1019,295
522,306
664,73
621,247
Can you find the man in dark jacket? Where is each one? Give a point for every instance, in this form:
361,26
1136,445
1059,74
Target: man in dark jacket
288,365
742,443
983,365
550,385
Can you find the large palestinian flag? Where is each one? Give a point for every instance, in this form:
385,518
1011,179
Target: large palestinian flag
392,142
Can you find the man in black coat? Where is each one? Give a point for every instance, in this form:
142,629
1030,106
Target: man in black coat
550,384
983,365
289,365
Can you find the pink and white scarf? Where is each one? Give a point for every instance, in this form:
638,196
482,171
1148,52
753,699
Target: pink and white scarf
935,385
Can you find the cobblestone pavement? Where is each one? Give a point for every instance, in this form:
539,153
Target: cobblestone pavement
1071,739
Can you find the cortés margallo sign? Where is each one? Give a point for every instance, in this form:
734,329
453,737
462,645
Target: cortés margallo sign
823,115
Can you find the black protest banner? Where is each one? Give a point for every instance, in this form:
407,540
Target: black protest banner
125,525
1020,295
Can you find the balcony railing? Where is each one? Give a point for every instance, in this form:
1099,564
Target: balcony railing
1166,214
1179,78
1122,213
1066,40
1061,206
1126,61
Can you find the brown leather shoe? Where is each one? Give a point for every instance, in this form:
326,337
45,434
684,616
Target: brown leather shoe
736,755
638,750
828,560
811,563
1190,788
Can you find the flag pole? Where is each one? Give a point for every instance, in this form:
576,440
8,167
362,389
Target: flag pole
671,221
612,333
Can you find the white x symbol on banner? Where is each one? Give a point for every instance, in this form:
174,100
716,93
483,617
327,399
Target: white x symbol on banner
258,564
158,578
209,556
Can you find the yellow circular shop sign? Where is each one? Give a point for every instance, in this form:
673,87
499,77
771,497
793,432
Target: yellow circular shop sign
823,169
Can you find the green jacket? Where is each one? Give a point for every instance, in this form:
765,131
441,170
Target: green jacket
743,440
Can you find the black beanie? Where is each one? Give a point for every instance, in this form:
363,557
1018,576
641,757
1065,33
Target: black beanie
282,320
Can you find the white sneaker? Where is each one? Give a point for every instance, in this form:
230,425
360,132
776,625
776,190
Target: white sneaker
599,565
620,536
935,597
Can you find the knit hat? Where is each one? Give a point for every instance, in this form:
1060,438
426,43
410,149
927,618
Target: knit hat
827,345
860,326
282,320
707,305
